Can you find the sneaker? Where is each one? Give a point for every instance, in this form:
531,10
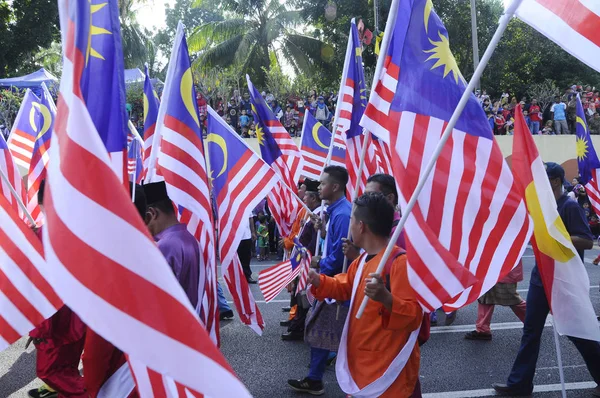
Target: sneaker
596,261
42,392
313,387
505,390
433,318
331,358
475,335
450,318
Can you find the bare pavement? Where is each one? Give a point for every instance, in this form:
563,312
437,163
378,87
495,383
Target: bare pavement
451,367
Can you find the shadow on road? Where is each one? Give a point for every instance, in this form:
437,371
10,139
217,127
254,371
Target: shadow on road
21,373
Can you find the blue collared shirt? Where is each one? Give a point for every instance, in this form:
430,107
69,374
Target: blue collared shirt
339,220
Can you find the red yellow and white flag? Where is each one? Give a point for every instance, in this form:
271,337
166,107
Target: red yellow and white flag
572,24
564,277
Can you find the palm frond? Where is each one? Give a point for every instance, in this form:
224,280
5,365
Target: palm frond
309,47
216,32
222,54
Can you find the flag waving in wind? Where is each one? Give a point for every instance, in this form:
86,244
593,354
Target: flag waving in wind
240,180
11,171
315,148
587,159
563,274
25,130
39,156
469,219
135,146
111,273
151,104
280,152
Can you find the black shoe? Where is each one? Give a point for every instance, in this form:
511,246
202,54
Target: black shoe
285,323
42,392
251,281
226,315
286,309
475,335
505,390
292,336
307,385
596,391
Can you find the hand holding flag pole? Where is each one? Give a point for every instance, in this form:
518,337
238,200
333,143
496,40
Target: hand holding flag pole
504,20
16,196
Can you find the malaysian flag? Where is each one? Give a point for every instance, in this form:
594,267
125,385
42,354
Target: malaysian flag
273,280
27,298
124,273
183,166
572,24
383,155
469,219
135,146
39,157
240,180
315,148
352,101
12,174
280,152
587,159
151,105
24,130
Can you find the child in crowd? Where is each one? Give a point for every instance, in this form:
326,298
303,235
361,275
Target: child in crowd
500,121
263,238
293,130
244,123
252,130
548,130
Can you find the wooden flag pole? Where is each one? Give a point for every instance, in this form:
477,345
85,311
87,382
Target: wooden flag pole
504,20
18,198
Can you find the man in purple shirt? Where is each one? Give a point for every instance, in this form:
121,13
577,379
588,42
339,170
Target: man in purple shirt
179,247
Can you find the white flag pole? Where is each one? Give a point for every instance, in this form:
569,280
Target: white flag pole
559,359
17,198
504,20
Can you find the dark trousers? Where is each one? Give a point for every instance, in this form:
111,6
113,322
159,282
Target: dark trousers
244,251
523,370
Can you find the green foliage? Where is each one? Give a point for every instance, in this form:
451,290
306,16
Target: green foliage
135,97
10,102
25,27
50,59
277,83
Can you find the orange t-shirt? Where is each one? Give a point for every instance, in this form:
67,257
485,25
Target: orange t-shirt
377,337
288,241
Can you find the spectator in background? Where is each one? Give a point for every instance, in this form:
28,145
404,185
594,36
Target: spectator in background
594,124
559,115
293,130
572,114
588,92
322,113
535,116
548,130
499,121
277,111
288,117
487,105
269,97
233,112
490,118
201,102
246,104
513,104
203,125
244,123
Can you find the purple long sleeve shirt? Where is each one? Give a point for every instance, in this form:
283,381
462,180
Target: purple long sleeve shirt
182,252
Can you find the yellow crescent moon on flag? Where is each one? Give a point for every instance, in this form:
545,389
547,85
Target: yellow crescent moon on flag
46,116
32,114
580,121
146,106
220,141
315,134
186,94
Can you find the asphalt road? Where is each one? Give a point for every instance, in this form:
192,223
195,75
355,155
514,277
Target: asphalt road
451,366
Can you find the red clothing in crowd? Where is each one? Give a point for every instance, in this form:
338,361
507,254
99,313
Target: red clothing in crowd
535,114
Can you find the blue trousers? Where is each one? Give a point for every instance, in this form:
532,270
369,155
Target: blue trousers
318,363
223,305
523,370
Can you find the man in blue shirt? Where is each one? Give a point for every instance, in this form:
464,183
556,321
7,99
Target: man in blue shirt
323,327
520,380
559,113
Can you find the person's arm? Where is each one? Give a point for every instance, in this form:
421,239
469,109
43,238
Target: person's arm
338,287
582,243
332,263
252,228
579,229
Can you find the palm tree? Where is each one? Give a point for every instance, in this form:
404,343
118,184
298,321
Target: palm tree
133,39
252,30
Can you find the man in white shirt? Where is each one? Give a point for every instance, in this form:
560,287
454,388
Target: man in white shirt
244,250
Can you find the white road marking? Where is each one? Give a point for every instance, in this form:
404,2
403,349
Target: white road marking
585,385
468,328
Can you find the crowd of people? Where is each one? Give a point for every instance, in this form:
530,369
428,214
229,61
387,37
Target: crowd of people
558,118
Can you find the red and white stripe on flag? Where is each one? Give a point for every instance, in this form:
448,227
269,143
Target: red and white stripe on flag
593,190
273,280
26,298
123,269
353,153
572,24
11,171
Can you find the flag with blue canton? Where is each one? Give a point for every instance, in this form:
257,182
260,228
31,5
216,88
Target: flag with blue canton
102,80
469,221
135,145
25,130
587,159
273,280
352,101
39,157
151,105
316,140
240,180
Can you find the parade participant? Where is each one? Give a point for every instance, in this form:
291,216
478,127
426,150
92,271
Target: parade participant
105,367
59,342
387,331
520,380
323,327
178,246
503,293
308,239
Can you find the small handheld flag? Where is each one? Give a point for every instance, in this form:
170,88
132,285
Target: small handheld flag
315,146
